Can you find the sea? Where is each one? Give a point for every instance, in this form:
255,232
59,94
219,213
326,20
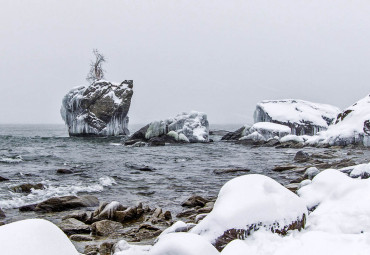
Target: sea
107,169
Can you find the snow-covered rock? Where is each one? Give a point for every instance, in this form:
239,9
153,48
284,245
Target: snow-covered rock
185,127
99,109
34,236
262,131
303,117
352,126
248,203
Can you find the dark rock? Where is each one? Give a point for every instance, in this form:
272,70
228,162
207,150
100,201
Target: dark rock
367,127
72,226
64,171
141,167
81,238
2,223
194,201
231,171
85,217
162,140
27,208
233,234
58,204
91,249
106,248
233,136
27,187
272,143
187,213
301,156
3,179
132,142
106,228
139,135
283,168
2,214
98,110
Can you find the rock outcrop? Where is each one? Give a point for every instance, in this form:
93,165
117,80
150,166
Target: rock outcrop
99,109
190,127
303,117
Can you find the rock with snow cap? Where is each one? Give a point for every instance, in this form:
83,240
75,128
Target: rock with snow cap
99,109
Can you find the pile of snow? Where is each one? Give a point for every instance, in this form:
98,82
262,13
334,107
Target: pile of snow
99,109
247,201
262,131
34,236
188,127
302,117
351,127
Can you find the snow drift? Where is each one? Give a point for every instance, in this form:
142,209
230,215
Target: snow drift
99,109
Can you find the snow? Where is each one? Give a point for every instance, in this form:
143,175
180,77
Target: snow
183,244
250,199
311,172
298,112
350,130
361,170
188,127
34,236
262,131
293,138
124,248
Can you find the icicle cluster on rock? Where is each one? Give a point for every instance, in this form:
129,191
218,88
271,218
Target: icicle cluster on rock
99,109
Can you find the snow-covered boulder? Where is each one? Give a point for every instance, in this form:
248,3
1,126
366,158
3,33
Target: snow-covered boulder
303,117
248,203
352,126
262,131
185,127
99,109
34,236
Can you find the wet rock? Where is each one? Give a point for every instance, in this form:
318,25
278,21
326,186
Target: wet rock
27,208
2,214
58,204
233,136
272,142
64,171
144,168
81,238
27,187
106,248
194,201
106,228
85,217
91,249
3,179
283,168
301,156
108,211
72,226
187,213
130,214
231,171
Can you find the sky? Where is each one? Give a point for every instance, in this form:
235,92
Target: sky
218,57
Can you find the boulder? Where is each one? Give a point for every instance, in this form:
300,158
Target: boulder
301,156
194,201
303,117
58,204
99,109
311,172
106,228
27,187
249,203
72,226
185,127
3,179
263,131
2,214
233,136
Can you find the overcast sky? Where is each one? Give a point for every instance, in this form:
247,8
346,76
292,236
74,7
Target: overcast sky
219,57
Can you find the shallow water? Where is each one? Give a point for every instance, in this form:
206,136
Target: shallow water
103,167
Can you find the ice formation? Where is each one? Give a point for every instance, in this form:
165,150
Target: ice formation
99,109
262,131
352,126
185,127
303,117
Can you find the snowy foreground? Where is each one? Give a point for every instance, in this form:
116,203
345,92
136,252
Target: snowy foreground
334,207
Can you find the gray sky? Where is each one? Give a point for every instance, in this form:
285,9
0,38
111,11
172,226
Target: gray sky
219,57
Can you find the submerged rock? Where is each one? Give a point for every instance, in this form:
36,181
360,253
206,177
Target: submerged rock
303,117
99,109
27,187
190,127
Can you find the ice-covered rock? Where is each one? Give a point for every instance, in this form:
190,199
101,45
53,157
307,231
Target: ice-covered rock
99,109
34,236
262,131
248,203
185,127
352,126
303,117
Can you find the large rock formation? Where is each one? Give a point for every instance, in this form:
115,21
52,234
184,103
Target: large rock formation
99,109
303,117
352,126
185,127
